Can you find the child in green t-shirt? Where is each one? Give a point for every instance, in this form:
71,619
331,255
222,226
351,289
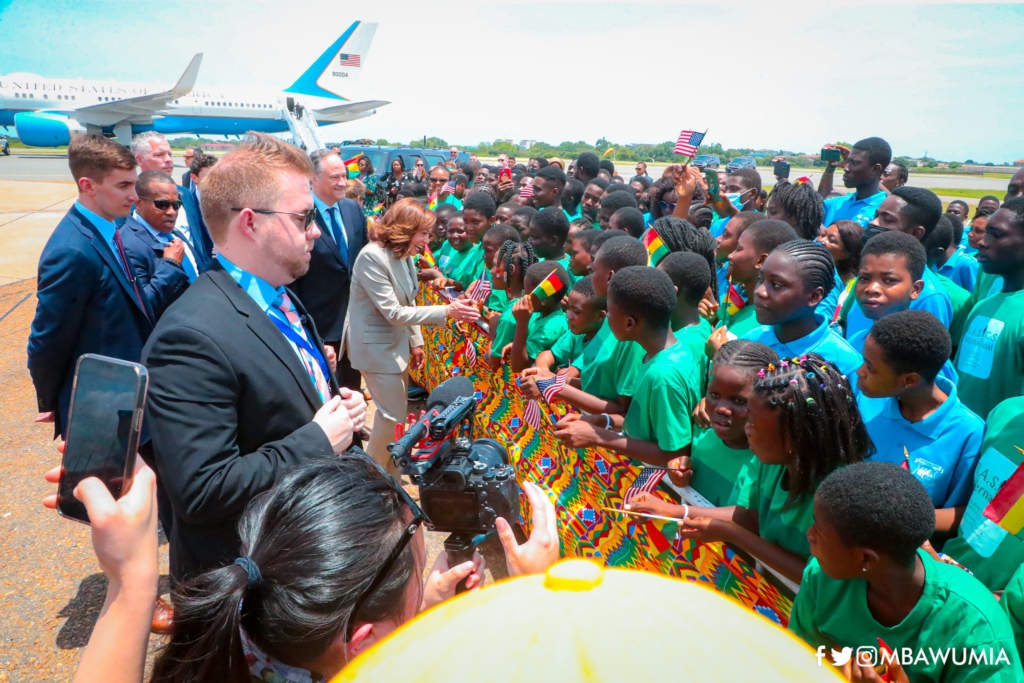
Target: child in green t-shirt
721,460
538,316
461,257
500,233
580,245
549,228
802,423
692,277
510,265
990,358
656,427
870,585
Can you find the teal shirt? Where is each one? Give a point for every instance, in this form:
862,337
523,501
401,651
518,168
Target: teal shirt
544,330
462,266
990,357
667,391
823,341
612,368
694,338
849,208
955,612
719,472
784,526
933,299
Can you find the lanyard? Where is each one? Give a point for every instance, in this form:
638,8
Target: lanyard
299,341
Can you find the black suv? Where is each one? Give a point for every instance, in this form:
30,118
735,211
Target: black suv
740,162
706,161
382,157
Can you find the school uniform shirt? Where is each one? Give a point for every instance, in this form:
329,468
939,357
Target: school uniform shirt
823,341
544,330
462,266
933,299
694,338
948,372
719,472
849,208
990,358
961,268
565,264
953,613
666,393
986,285
989,551
453,200
722,276
786,527
1012,603
943,447
962,301
740,323
612,368
569,349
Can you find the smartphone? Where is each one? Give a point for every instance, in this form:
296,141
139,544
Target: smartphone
782,169
831,155
505,174
107,401
711,178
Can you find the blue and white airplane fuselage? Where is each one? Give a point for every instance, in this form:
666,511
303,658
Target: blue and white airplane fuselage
47,112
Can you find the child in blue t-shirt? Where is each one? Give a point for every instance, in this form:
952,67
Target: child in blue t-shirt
914,416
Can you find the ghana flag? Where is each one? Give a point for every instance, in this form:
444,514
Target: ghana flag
551,285
1007,507
656,249
426,259
734,300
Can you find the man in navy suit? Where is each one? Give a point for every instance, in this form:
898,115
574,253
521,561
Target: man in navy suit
193,217
324,289
160,256
88,297
186,177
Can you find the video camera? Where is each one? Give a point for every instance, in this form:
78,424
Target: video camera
465,484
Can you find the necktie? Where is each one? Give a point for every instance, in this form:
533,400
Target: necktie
127,271
335,219
284,304
187,263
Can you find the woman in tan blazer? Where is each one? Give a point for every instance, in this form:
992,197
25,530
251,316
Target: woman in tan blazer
382,334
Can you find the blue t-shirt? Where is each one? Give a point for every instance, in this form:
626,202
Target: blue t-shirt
933,299
947,372
849,208
722,275
717,228
943,447
823,341
961,268
827,307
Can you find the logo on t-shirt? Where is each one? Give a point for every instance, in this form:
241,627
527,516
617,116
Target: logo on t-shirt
981,533
926,472
977,349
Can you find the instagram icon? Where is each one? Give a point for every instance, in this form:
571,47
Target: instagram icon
867,655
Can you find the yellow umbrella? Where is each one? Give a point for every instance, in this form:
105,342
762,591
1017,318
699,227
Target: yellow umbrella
580,622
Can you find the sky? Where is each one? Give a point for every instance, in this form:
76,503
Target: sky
945,78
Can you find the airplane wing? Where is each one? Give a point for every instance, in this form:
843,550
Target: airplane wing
348,112
139,109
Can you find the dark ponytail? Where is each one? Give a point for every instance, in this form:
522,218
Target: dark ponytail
317,538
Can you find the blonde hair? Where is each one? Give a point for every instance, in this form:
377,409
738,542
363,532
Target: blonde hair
396,229
249,177
94,157
355,189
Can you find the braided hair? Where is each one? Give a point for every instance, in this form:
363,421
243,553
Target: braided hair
702,216
746,355
813,260
511,254
801,206
818,419
681,235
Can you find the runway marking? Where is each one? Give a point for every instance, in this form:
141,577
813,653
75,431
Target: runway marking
11,309
59,201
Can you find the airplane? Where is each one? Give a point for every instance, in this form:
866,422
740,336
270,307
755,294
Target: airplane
48,112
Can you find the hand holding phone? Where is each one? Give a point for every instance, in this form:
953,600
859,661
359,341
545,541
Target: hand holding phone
832,155
711,178
505,174
104,423
781,169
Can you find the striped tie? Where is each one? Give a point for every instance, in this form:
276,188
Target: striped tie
284,304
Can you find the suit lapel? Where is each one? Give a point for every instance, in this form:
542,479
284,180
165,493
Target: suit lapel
266,331
101,247
353,229
328,237
143,234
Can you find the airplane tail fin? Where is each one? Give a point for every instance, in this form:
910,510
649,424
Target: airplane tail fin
341,64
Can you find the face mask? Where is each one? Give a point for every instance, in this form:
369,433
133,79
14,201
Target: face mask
737,199
871,231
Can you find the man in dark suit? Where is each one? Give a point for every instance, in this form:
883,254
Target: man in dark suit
324,289
240,384
160,256
87,298
186,177
191,217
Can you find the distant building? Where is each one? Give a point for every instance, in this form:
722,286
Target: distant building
982,168
527,144
1019,162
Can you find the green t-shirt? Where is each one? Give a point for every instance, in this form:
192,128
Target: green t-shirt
666,393
742,322
695,337
565,264
719,472
986,285
463,266
1013,604
453,200
541,332
962,303
990,357
954,612
612,369
991,552
498,300
785,527
571,348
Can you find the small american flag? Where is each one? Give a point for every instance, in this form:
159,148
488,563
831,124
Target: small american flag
480,289
532,414
470,353
550,386
646,481
348,60
688,143
526,190
449,188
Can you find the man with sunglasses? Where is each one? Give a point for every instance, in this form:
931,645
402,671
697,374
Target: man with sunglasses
163,267
641,172
241,386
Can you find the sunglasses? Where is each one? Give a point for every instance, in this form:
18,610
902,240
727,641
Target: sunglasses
438,180
163,204
419,165
418,518
667,208
306,216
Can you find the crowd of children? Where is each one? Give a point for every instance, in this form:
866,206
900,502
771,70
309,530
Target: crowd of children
839,377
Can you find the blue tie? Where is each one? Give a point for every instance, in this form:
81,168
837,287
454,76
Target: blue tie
186,262
335,219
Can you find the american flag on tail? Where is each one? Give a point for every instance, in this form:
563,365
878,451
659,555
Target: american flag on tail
349,60
550,386
480,289
646,481
688,143
532,414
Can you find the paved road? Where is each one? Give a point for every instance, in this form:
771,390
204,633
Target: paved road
28,166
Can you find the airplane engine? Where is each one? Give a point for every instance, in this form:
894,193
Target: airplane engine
37,129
